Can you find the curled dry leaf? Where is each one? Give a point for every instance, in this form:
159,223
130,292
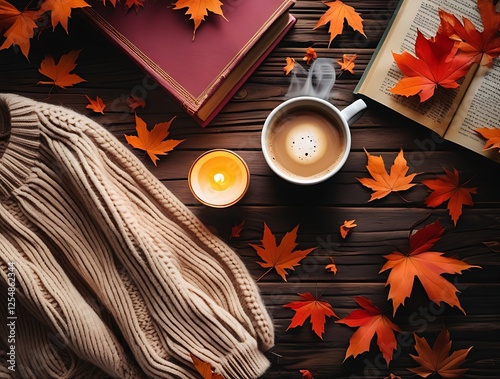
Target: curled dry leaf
60,73
371,322
492,136
281,257
346,227
336,14
447,188
310,55
332,267
318,310
290,64
437,360
383,183
153,142
96,105
427,266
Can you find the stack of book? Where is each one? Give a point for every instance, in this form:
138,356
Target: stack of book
203,73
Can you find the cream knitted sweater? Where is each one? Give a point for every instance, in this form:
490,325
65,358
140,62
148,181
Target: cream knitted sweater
114,277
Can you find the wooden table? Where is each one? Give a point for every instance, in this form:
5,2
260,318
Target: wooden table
320,209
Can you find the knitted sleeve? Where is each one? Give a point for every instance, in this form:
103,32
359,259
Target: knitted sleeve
172,287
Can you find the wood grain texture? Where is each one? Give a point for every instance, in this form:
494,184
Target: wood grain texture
383,225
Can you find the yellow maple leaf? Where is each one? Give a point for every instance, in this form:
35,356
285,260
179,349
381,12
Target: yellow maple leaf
198,10
153,142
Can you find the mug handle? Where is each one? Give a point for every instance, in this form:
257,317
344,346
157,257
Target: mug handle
354,111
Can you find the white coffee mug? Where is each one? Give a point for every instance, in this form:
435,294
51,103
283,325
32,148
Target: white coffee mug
306,140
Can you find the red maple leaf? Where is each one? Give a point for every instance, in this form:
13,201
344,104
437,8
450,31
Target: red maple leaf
310,307
370,321
436,63
481,47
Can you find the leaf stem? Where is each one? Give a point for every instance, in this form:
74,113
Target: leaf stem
264,274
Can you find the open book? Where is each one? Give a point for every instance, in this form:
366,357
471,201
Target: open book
451,113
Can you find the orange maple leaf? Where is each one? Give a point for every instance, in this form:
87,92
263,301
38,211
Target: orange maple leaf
96,105
392,376
492,135
318,310
113,2
290,64
153,142
437,360
483,46
310,55
134,3
60,10
280,257
383,183
436,63
447,188
198,10
370,321
135,102
427,266
205,369
19,26
347,62
236,230
335,15
331,266
306,374
60,73
346,227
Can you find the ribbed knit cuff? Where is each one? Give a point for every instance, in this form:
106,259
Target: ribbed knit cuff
245,362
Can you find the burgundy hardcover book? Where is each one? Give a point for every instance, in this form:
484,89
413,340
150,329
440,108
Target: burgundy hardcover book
201,73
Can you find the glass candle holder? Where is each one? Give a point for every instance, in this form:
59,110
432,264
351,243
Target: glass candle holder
219,178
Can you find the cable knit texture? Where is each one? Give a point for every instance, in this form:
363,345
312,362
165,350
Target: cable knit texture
114,276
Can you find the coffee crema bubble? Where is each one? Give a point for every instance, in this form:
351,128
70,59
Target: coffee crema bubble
306,143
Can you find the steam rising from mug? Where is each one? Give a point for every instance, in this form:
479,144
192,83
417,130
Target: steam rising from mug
318,82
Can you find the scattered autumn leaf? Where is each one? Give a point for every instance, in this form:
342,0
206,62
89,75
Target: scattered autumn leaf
280,257
436,63
318,310
290,64
383,183
113,3
346,227
60,10
370,321
331,266
306,374
204,368
335,15
448,188
481,47
492,136
19,26
310,55
427,266
134,102
438,359
60,73
347,62
198,10
236,230
134,3
153,142
392,376
96,105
